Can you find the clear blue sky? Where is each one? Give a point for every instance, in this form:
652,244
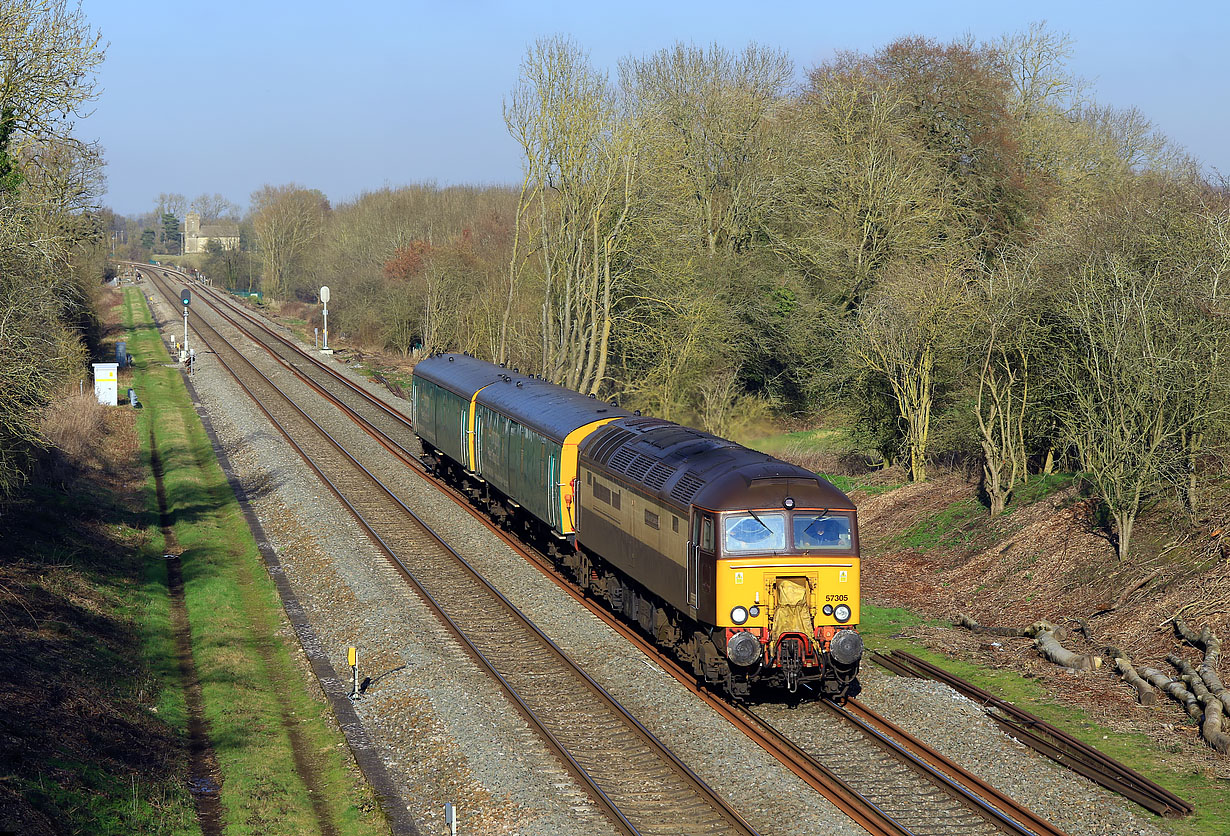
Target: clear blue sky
352,95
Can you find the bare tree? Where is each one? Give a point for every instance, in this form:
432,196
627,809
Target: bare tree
856,192
705,114
212,207
286,219
580,168
48,57
1005,333
1125,366
903,333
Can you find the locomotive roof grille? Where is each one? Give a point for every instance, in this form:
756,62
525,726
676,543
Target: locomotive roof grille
639,466
621,459
658,475
686,488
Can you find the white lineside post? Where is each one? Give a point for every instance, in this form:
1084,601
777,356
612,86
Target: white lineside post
324,298
450,818
186,297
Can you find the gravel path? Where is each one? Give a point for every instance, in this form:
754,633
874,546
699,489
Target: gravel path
448,734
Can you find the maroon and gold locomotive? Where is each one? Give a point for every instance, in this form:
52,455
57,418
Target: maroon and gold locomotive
742,565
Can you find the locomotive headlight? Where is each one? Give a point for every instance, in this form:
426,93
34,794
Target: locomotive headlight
828,609
842,613
739,615
754,611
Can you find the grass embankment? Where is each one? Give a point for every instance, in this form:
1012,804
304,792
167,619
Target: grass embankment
261,717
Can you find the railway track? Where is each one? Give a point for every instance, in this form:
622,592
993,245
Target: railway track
1047,740
643,787
886,780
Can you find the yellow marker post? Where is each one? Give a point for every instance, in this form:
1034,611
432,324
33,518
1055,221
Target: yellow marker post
352,658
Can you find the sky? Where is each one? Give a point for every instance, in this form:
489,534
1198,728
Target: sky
348,96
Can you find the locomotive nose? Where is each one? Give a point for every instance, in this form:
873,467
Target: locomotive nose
846,647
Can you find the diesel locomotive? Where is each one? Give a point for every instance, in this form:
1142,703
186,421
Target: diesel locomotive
743,566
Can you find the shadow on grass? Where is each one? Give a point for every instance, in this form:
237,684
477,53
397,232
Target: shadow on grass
82,747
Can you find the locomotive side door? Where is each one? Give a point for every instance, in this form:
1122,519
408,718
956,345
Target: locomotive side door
700,546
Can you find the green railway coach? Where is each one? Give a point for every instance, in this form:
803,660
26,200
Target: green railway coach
442,393
532,458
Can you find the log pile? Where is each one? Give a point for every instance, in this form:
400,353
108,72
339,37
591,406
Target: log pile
1198,689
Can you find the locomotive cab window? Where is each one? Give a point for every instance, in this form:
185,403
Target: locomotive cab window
821,531
764,531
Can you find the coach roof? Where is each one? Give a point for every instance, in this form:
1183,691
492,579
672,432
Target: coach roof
458,373
546,408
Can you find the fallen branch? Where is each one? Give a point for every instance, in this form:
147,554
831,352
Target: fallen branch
1177,614
1144,691
1048,645
1211,727
973,626
1123,596
1174,689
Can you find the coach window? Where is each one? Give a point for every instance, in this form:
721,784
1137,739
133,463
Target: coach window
706,536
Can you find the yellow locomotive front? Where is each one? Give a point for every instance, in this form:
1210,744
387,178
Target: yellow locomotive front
786,595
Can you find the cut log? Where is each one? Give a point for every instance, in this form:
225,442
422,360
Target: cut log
1174,689
973,626
1207,672
1211,727
1185,668
1048,645
1195,686
1145,694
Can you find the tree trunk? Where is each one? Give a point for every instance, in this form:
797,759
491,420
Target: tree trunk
1050,647
1211,726
1144,692
1124,520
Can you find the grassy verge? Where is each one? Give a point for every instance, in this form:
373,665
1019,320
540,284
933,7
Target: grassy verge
882,629
254,690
